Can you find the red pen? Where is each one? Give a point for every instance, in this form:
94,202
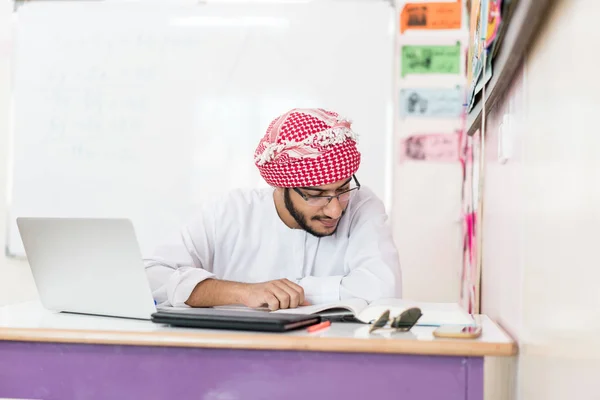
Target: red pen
318,327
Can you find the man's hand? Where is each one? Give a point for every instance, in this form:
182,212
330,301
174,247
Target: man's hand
276,295
279,294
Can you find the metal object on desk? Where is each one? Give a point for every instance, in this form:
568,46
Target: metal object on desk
403,322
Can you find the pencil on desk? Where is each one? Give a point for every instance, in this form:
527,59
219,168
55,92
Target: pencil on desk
319,326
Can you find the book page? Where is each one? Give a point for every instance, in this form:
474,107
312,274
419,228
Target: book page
434,314
240,307
353,305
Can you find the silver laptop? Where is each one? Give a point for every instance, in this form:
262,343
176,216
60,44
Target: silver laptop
88,266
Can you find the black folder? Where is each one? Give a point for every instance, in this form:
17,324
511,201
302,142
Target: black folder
214,318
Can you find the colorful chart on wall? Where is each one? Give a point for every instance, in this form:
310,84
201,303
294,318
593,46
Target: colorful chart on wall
493,22
419,16
433,147
476,47
431,102
428,59
473,14
485,25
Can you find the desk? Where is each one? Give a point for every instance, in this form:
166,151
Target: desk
46,355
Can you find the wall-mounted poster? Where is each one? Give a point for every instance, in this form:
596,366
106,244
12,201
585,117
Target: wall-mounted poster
431,102
443,15
430,59
478,37
494,21
434,147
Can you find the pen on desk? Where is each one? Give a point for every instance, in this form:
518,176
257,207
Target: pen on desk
318,327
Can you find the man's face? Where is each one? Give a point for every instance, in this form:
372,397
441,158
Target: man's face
321,220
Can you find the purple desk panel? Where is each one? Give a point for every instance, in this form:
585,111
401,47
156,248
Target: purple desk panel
36,370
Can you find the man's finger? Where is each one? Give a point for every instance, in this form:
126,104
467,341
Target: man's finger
296,288
294,295
272,301
282,296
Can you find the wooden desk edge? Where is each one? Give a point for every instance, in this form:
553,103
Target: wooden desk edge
440,347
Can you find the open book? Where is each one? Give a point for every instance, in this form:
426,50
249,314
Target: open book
434,314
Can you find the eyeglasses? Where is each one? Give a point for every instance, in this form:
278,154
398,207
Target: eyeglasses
403,322
322,201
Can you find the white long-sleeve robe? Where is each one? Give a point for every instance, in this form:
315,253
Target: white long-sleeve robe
240,237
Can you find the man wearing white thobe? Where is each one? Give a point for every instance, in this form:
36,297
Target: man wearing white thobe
315,236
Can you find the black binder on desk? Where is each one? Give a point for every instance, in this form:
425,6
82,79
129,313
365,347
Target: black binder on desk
237,320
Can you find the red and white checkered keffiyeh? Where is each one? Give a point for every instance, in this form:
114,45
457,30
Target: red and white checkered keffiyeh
307,148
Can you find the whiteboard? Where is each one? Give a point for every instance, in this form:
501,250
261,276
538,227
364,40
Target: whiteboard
145,110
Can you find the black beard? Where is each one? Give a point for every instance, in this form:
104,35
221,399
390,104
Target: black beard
300,218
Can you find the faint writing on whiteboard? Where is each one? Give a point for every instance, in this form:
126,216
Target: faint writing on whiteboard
426,102
430,147
103,154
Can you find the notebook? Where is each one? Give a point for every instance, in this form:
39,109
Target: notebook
434,314
238,320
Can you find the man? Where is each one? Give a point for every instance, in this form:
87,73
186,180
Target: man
315,236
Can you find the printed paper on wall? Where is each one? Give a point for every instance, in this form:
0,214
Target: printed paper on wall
494,21
430,147
427,59
431,102
431,16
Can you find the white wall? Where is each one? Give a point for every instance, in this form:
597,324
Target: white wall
427,224
426,209
16,283
541,226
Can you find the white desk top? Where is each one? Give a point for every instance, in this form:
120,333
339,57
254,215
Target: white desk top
31,322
